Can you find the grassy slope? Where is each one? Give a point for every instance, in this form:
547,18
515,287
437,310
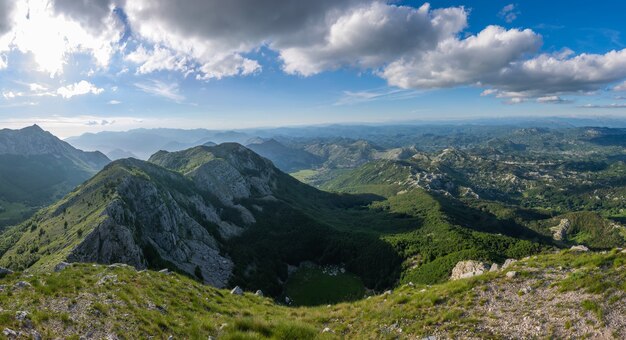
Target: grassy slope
313,286
572,295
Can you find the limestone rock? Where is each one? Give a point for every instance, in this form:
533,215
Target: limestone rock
508,263
237,291
259,293
60,266
21,315
9,333
465,269
511,274
22,284
579,248
4,272
559,232
494,267
107,278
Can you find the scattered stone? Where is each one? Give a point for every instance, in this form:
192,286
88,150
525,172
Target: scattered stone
579,248
60,266
410,284
508,263
526,290
287,300
21,315
164,271
388,292
327,330
35,335
465,269
4,272
118,265
430,337
22,284
494,267
259,293
511,274
107,278
237,291
9,333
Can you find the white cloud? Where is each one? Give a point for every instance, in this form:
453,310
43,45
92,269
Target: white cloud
620,87
509,13
371,36
456,62
114,102
51,36
77,89
552,100
161,89
157,59
36,87
356,97
603,106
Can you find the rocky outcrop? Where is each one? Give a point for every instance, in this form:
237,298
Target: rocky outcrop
559,232
148,225
465,269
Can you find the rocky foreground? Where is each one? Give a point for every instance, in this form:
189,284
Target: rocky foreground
571,294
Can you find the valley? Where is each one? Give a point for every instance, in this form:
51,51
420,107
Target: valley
339,231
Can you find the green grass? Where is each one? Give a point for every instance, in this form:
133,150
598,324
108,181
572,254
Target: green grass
312,286
304,175
151,304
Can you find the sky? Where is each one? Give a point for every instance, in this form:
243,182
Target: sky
75,66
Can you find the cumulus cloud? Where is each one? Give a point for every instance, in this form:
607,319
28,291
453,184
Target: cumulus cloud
411,48
457,61
114,102
51,34
6,19
77,89
370,36
217,34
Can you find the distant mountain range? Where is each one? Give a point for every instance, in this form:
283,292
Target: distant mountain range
37,168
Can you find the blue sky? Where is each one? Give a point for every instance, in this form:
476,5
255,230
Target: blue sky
78,66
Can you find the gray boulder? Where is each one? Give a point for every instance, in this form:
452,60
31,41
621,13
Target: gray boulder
4,272
508,263
237,291
60,266
465,269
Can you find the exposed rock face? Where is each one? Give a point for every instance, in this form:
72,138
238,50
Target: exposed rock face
237,291
559,232
148,224
465,269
